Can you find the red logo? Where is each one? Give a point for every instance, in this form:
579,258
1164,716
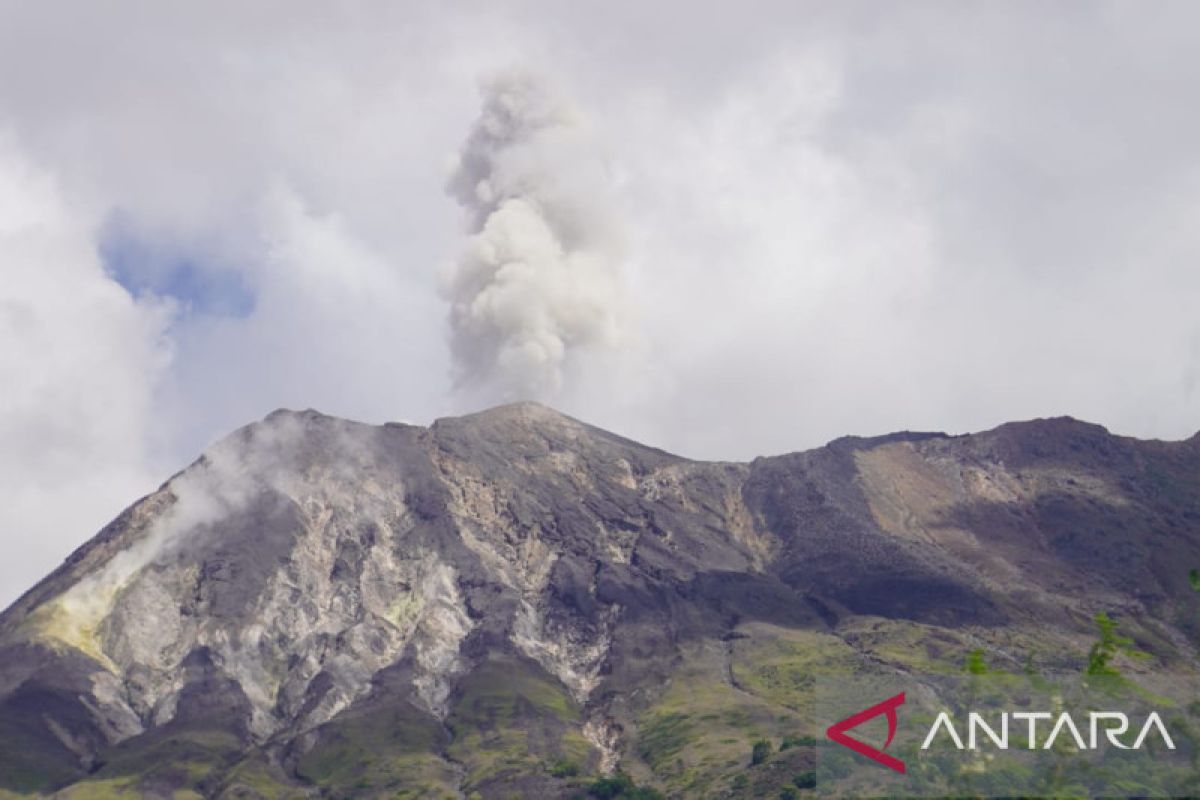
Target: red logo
837,732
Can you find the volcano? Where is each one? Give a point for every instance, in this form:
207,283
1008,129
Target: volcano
515,603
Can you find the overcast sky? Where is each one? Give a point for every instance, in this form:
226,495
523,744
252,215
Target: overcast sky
818,219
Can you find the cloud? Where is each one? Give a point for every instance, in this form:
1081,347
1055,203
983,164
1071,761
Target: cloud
336,326
78,365
538,282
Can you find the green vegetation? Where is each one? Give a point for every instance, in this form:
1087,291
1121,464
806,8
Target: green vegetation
179,761
256,778
621,787
790,741
1108,646
912,646
511,720
760,752
183,758
975,664
664,737
693,740
384,752
32,758
781,665
36,765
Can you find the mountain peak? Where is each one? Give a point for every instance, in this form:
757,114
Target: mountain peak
524,412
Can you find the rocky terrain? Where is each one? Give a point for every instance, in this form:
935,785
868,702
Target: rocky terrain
514,603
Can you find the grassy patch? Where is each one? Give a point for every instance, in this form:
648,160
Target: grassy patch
513,719
255,778
697,738
781,665
389,752
178,762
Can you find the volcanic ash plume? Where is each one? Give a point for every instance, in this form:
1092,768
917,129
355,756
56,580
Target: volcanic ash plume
537,284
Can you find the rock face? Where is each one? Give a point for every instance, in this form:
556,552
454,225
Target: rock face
510,602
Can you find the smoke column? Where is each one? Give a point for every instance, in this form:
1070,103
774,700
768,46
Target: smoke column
537,284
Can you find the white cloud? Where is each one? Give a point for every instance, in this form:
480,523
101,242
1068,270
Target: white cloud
336,327
78,364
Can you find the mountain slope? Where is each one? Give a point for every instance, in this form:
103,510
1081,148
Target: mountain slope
512,602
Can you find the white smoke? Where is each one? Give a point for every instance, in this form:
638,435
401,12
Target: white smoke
538,283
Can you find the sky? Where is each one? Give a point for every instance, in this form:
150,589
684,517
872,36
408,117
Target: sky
723,229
